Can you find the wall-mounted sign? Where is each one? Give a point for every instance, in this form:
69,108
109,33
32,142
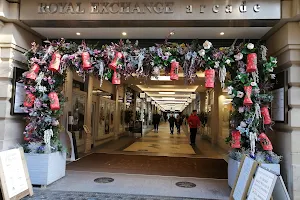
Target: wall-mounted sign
149,10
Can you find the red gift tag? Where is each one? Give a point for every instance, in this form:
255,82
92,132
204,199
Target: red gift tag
247,98
251,62
210,78
265,142
54,101
116,61
86,61
236,139
55,62
174,70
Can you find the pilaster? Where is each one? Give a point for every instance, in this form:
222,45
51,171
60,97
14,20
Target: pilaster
285,45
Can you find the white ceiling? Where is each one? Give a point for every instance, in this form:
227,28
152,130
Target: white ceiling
171,102
155,32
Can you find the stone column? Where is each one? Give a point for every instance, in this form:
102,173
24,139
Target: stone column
116,113
88,112
215,114
202,101
68,92
14,41
285,45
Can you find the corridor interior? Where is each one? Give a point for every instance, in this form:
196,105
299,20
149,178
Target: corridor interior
156,154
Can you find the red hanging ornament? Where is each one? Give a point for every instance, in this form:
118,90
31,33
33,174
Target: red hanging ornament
54,101
33,72
29,100
116,61
26,139
116,79
266,115
86,61
236,139
174,70
247,98
210,78
55,62
251,62
265,142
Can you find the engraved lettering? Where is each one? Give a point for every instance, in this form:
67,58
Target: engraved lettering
228,9
202,8
79,10
69,8
136,8
158,7
243,7
61,7
169,6
42,8
256,8
53,8
189,9
94,8
149,6
112,6
104,9
216,8
125,7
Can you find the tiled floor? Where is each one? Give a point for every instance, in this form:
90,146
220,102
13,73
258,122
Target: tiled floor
162,144
142,185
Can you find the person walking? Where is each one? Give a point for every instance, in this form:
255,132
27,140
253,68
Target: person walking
172,124
165,117
194,123
179,121
156,120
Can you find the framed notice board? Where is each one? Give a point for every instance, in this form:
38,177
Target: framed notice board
279,108
15,181
18,93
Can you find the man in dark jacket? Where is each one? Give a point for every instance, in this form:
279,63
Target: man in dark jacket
172,121
194,123
179,121
156,120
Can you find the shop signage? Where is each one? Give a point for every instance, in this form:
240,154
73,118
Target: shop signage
150,10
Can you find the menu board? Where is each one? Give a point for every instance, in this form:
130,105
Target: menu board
246,171
263,185
278,105
19,98
15,182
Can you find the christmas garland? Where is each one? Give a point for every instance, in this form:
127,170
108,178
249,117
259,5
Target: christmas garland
244,70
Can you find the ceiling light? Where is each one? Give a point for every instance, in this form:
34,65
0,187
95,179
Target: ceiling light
166,92
124,33
193,96
160,78
172,33
168,98
222,33
78,33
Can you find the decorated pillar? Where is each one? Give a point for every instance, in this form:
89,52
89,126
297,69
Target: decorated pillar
215,118
68,93
88,111
116,112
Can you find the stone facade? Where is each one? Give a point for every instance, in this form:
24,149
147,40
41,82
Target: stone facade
14,41
285,45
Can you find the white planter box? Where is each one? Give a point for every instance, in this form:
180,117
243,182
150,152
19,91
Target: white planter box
44,169
233,167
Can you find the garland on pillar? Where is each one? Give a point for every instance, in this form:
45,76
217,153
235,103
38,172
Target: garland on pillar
244,70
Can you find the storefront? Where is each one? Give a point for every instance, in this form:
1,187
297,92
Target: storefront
275,21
